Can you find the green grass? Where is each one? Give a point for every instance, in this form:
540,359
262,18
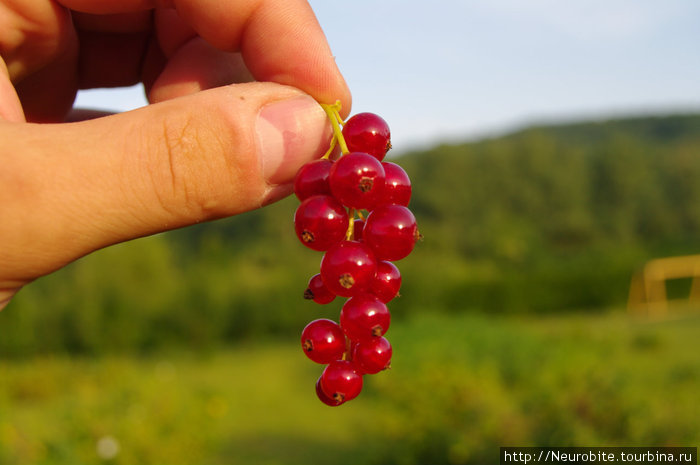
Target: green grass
460,387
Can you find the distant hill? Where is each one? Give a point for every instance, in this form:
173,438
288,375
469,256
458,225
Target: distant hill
656,128
634,179
546,219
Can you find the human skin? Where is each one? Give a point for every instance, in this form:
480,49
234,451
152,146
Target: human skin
233,89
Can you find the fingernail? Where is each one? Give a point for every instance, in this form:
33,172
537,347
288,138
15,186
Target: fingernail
290,133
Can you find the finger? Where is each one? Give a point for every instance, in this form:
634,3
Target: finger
197,66
193,64
72,188
10,106
33,34
39,48
280,41
112,48
121,49
83,114
171,31
111,59
115,23
47,95
105,7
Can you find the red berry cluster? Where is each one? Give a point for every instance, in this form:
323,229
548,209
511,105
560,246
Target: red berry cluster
354,209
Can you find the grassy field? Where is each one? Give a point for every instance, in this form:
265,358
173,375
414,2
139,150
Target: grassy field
460,387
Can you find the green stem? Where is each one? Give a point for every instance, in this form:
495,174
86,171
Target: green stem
329,152
350,234
333,112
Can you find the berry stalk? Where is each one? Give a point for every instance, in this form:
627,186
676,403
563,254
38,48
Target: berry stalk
350,234
333,112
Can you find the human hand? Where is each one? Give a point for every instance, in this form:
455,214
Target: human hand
201,150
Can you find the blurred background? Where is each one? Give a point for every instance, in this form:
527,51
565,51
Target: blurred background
554,150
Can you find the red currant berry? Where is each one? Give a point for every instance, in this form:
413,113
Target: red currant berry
372,356
323,397
397,187
323,341
317,291
391,232
312,179
340,381
364,317
387,282
369,133
358,226
320,222
348,268
357,180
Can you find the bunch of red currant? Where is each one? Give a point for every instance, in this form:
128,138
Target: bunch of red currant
353,208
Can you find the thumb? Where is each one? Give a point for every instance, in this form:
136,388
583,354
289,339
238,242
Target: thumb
69,189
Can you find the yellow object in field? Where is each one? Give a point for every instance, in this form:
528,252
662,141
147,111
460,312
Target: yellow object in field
648,287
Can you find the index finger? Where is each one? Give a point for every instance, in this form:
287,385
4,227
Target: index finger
281,41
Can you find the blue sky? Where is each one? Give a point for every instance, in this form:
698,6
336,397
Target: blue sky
456,70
